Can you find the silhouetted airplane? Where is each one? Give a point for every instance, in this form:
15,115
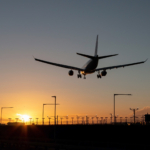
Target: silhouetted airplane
90,66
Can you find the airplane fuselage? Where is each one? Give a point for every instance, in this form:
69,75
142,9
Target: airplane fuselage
90,66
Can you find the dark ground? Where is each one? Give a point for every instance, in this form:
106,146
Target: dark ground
75,137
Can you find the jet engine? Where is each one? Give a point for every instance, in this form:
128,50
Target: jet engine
70,73
103,73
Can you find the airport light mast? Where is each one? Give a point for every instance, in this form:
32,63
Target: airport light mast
134,112
111,117
49,119
126,119
114,104
37,121
72,119
55,110
97,118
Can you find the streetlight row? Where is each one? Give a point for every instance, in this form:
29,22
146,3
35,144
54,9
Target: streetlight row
72,117
86,121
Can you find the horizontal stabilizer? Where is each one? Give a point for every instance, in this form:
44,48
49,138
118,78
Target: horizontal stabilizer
88,56
106,56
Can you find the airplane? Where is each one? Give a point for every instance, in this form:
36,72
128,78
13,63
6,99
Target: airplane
91,65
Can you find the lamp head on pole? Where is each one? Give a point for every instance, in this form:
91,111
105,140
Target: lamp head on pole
54,96
6,107
122,94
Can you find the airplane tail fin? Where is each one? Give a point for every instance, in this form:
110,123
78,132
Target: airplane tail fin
95,55
96,46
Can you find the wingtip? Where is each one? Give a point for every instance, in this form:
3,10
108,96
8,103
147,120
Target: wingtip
146,60
115,54
33,57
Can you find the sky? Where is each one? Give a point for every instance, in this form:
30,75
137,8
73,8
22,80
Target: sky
55,31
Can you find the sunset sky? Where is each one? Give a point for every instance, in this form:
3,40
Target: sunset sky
55,31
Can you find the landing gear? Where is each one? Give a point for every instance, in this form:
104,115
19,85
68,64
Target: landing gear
79,76
98,76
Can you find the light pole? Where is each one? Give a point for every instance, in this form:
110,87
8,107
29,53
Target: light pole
106,119
37,121
1,111
78,118
97,119
67,119
82,120
55,110
61,120
92,119
114,103
102,120
111,117
43,120
87,119
137,119
116,118
131,119
72,119
30,120
57,119
134,112
126,119
142,119
49,119
120,119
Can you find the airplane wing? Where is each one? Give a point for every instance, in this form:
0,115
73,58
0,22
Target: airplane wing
60,65
120,66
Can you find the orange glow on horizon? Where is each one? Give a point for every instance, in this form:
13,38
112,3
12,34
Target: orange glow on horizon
24,118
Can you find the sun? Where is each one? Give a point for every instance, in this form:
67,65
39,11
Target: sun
24,118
